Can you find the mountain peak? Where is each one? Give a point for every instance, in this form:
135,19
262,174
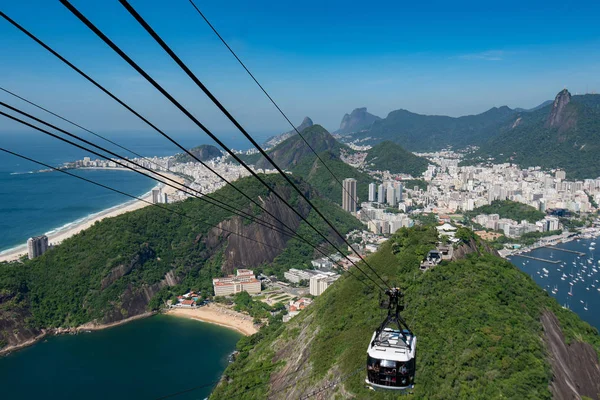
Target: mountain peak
358,119
556,117
306,123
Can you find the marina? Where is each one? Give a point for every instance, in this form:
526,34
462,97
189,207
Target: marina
579,253
537,259
573,279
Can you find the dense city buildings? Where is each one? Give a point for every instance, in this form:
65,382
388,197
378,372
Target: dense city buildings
243,281
198,176
349,195
36,246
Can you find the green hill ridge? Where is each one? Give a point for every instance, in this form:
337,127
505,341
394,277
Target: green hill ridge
482,328
204,152
389,156
564,134
128,265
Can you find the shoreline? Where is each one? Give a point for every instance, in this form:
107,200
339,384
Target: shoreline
217,315
58,235
90,326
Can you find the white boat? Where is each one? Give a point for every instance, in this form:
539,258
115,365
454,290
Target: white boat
585,308
571,290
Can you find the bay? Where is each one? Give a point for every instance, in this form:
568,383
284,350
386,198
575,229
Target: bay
143,359
33,204
580,276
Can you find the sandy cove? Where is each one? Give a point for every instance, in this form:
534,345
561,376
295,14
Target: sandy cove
58,237
218,315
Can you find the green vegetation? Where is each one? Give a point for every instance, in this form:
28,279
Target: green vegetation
477,321
389,156
572,144
411,183
313,171
106,272
426,219
298,253
203,152
508,209
417,132
294,150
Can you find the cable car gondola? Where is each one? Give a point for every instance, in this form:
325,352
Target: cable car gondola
392,352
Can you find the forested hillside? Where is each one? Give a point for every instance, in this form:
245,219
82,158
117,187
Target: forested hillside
565,134
294,150
508,209
389,156
313,171
483,331
127,265
204,152
416,132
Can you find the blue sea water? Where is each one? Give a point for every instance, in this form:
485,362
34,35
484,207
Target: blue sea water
37,203
581,279
145,359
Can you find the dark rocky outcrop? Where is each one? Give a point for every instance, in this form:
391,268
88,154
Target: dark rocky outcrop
575,366
559,107
357,120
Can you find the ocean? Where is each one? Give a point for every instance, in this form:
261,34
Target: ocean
40,203
143,359
582,278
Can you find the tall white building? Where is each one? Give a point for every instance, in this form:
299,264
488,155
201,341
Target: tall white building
156,197
372,192
320,282
381,194
349,195
391,195
398,187
36,246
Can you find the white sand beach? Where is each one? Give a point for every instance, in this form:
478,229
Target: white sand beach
59,236
219,315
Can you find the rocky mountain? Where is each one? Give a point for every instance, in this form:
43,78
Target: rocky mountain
389,156
357,120
485,330
275,140
204,152
564,134
416,132
293,150
127,266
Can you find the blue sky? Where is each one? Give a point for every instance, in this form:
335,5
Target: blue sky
318,59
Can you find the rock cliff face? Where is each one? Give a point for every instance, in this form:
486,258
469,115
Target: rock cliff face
357,120
240,252
575,366
558,114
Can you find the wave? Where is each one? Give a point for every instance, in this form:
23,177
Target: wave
24,173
